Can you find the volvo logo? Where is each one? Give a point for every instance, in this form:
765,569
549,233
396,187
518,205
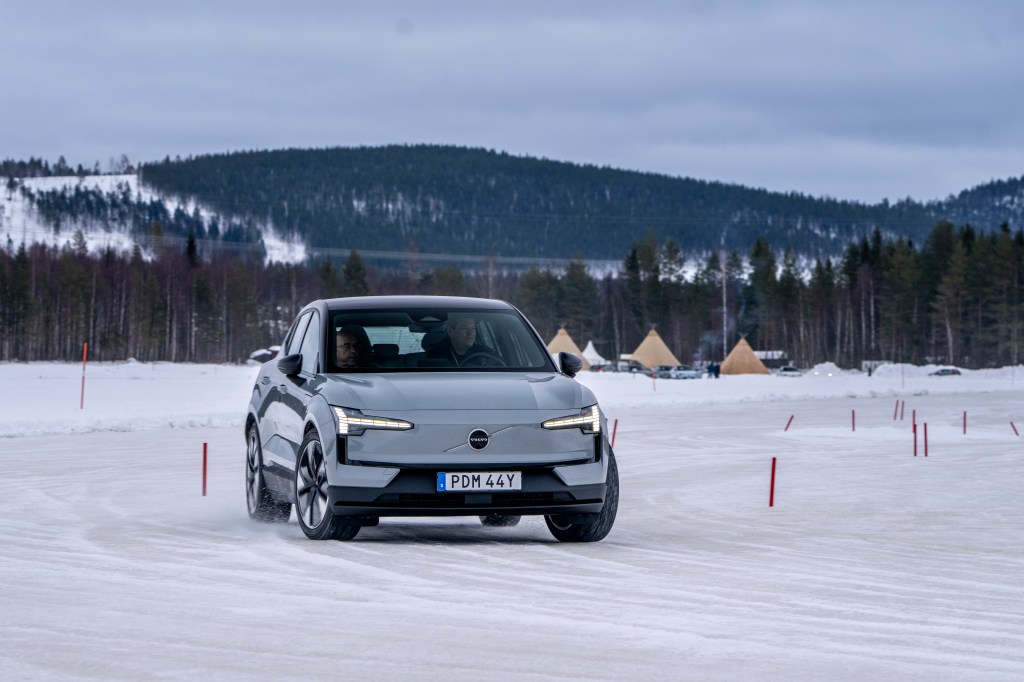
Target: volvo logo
479,439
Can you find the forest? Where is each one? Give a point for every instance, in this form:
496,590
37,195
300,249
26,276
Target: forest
956,298
456,200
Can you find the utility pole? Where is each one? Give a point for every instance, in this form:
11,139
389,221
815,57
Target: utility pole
725,314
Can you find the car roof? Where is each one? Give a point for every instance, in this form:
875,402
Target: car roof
399,302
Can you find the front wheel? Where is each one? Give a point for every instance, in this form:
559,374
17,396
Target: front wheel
316,519
595,527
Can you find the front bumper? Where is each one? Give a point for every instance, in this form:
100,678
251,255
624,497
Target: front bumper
413,492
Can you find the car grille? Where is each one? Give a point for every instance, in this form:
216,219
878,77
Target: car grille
470,499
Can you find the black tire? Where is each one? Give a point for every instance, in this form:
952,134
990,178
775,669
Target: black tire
570,529
316,519
261,504
500,520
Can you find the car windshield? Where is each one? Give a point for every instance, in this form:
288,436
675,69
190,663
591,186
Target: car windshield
433,340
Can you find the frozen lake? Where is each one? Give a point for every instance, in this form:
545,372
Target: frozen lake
873,564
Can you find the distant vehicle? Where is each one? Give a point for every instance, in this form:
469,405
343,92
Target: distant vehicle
686,372
789,371
663,371
258,357
945,372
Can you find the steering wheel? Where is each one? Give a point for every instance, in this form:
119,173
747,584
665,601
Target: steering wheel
482,358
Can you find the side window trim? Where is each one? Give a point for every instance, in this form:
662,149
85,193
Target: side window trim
314,316
295,338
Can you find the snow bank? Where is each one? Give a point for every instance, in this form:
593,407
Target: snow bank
43,398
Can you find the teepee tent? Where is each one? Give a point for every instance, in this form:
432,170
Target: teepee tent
652,352
591,355
741,360
564,343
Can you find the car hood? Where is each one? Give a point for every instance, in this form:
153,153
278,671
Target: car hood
456,391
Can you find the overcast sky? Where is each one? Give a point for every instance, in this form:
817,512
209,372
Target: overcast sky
857,100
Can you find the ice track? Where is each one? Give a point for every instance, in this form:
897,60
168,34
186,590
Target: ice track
872,565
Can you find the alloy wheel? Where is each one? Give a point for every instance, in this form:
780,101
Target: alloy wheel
311,491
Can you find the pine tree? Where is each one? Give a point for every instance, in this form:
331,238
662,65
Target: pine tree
353,276
948,305
759,323
538,298
579,295
192,250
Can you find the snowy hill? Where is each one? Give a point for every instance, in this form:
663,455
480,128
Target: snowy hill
460,202
120,212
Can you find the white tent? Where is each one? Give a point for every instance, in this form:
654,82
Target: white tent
591,355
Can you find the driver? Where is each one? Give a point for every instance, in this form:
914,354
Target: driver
459,342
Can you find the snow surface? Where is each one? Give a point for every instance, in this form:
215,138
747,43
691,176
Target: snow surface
873,564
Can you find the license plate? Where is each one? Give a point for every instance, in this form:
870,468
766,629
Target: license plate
479,480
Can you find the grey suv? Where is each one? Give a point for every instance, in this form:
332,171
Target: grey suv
425,406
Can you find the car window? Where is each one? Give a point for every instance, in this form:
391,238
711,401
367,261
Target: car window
420,340
294,340
311,344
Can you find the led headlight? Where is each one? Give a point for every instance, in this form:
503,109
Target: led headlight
588,420
353,422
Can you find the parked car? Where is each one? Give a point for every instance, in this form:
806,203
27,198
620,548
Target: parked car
789,371
663,371
371,410
686,372
945,372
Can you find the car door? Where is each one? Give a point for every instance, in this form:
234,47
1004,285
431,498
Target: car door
278,452
296,392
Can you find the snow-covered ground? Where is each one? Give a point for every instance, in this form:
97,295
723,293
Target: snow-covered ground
21,223
873,564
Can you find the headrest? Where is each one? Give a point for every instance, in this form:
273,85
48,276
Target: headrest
385,351
431,339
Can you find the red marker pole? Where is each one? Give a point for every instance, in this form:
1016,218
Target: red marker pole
789,422
615,427
1014,427
965,422
926,439
85,354
915,439
896,410
771,492
853,420
204,469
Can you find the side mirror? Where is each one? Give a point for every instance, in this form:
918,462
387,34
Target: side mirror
569,363
290,364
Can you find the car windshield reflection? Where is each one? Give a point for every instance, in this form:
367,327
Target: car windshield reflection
432,340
